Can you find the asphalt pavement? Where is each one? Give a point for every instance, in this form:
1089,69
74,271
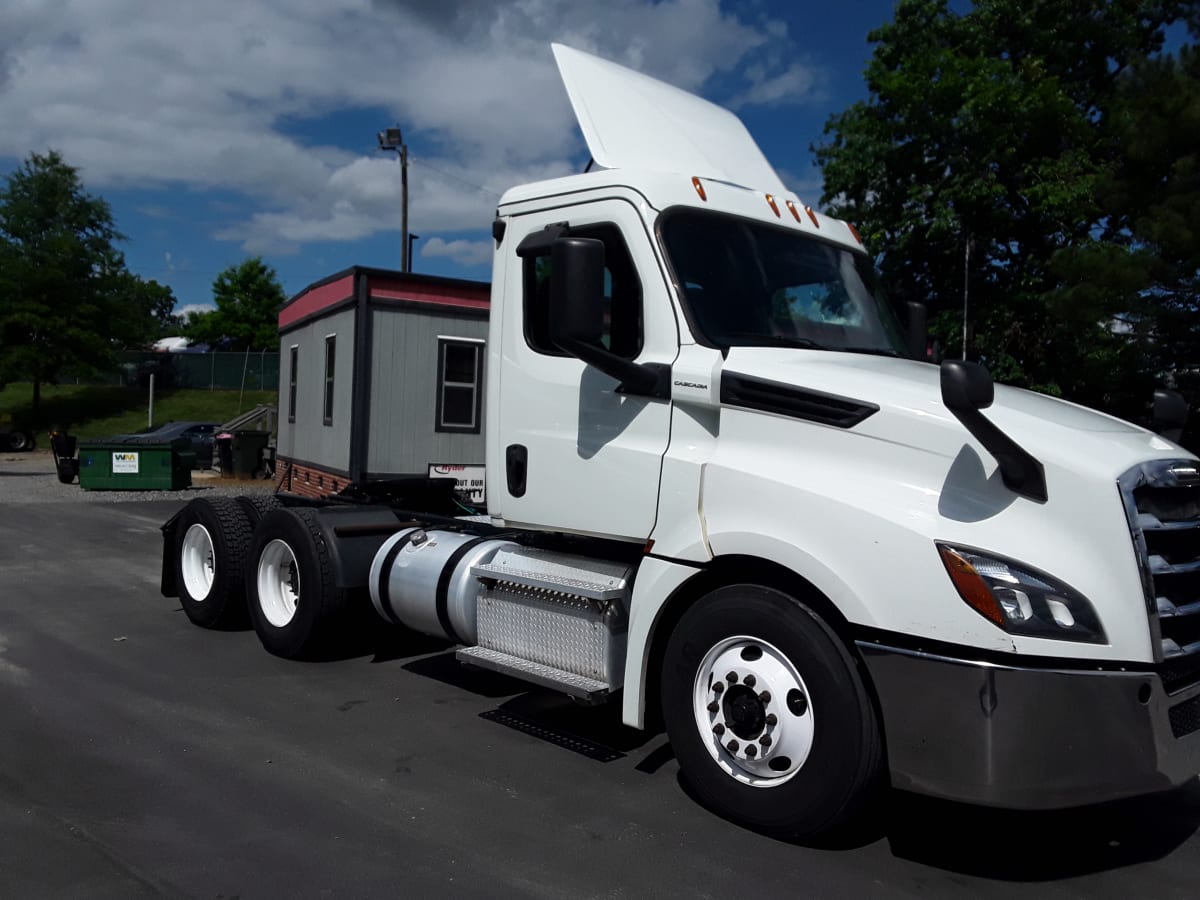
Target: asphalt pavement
142,756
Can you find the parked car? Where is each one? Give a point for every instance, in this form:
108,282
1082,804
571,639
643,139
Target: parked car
13,437
198,434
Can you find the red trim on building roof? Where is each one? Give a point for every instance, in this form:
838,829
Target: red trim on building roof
463,296
317,299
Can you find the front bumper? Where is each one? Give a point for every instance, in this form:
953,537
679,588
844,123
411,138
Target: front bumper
1028,738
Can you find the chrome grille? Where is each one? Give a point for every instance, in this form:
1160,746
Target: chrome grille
1162,501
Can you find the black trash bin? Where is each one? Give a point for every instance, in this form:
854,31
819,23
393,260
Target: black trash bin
63,445
224,447
248,447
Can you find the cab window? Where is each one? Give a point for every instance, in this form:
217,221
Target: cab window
622,329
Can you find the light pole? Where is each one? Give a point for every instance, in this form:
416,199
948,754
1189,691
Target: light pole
391,139
411,238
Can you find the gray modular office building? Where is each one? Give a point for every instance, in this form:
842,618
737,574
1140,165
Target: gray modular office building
381,375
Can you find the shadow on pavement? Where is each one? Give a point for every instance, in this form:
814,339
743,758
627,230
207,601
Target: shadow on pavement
1004,845
593,731
1018,846
1041,846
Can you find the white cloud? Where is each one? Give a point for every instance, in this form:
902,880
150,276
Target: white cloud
795,84
140,93
808,187
191,309
465,253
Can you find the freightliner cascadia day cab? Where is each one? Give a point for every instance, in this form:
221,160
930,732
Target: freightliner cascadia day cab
721,494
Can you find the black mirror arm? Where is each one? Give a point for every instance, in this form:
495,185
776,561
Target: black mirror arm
1021,471
640,379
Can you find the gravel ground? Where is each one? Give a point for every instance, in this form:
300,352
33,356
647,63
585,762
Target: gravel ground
30,478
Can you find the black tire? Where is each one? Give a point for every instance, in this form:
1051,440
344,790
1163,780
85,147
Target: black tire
258,505
223,526
843,755
294,601
20,441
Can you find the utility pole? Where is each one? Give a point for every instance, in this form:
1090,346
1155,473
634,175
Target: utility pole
392,139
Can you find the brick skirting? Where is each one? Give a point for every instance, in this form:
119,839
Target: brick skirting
307,481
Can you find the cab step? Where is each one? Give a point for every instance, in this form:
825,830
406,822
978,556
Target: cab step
603,586
580,687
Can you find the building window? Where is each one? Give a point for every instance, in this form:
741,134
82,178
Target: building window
292,367
330,345
460,385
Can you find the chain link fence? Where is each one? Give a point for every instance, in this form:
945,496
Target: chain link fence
253,371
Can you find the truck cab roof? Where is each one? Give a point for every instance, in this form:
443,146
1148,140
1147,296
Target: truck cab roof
665,190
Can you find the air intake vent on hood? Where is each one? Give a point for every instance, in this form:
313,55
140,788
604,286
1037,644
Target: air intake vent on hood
788,400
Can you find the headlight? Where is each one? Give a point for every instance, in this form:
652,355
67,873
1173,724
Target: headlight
1020,599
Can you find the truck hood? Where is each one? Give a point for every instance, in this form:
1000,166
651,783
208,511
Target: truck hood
911,413
633,121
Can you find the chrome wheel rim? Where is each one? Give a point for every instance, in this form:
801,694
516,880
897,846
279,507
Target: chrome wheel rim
753,711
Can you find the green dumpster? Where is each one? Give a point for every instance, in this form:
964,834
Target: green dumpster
135,464
247,448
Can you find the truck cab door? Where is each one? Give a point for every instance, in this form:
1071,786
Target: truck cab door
567,451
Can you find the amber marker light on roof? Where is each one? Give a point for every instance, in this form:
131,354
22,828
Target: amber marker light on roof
792,209
812,215
774,206
854,231
699,188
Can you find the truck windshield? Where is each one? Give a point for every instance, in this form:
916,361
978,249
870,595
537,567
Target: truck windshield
748,284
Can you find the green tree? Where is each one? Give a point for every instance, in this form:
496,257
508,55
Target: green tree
995,128
248,297
1153,203
66,299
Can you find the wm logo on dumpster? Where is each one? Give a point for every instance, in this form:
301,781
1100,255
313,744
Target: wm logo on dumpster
125,463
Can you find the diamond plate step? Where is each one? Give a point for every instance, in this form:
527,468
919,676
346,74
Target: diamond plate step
609,589
556,679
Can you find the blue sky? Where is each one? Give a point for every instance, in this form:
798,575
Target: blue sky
229,128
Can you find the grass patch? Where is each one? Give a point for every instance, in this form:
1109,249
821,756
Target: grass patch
94,411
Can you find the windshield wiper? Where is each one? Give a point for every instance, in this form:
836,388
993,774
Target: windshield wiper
777,340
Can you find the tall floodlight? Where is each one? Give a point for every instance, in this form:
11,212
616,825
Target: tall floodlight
391,139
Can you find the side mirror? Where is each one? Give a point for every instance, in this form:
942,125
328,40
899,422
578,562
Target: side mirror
577,317
918,330
1170,413
576,292
966,389
966,386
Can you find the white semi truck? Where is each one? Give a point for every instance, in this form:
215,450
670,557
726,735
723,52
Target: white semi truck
722,494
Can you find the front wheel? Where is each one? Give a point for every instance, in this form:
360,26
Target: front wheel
766,712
